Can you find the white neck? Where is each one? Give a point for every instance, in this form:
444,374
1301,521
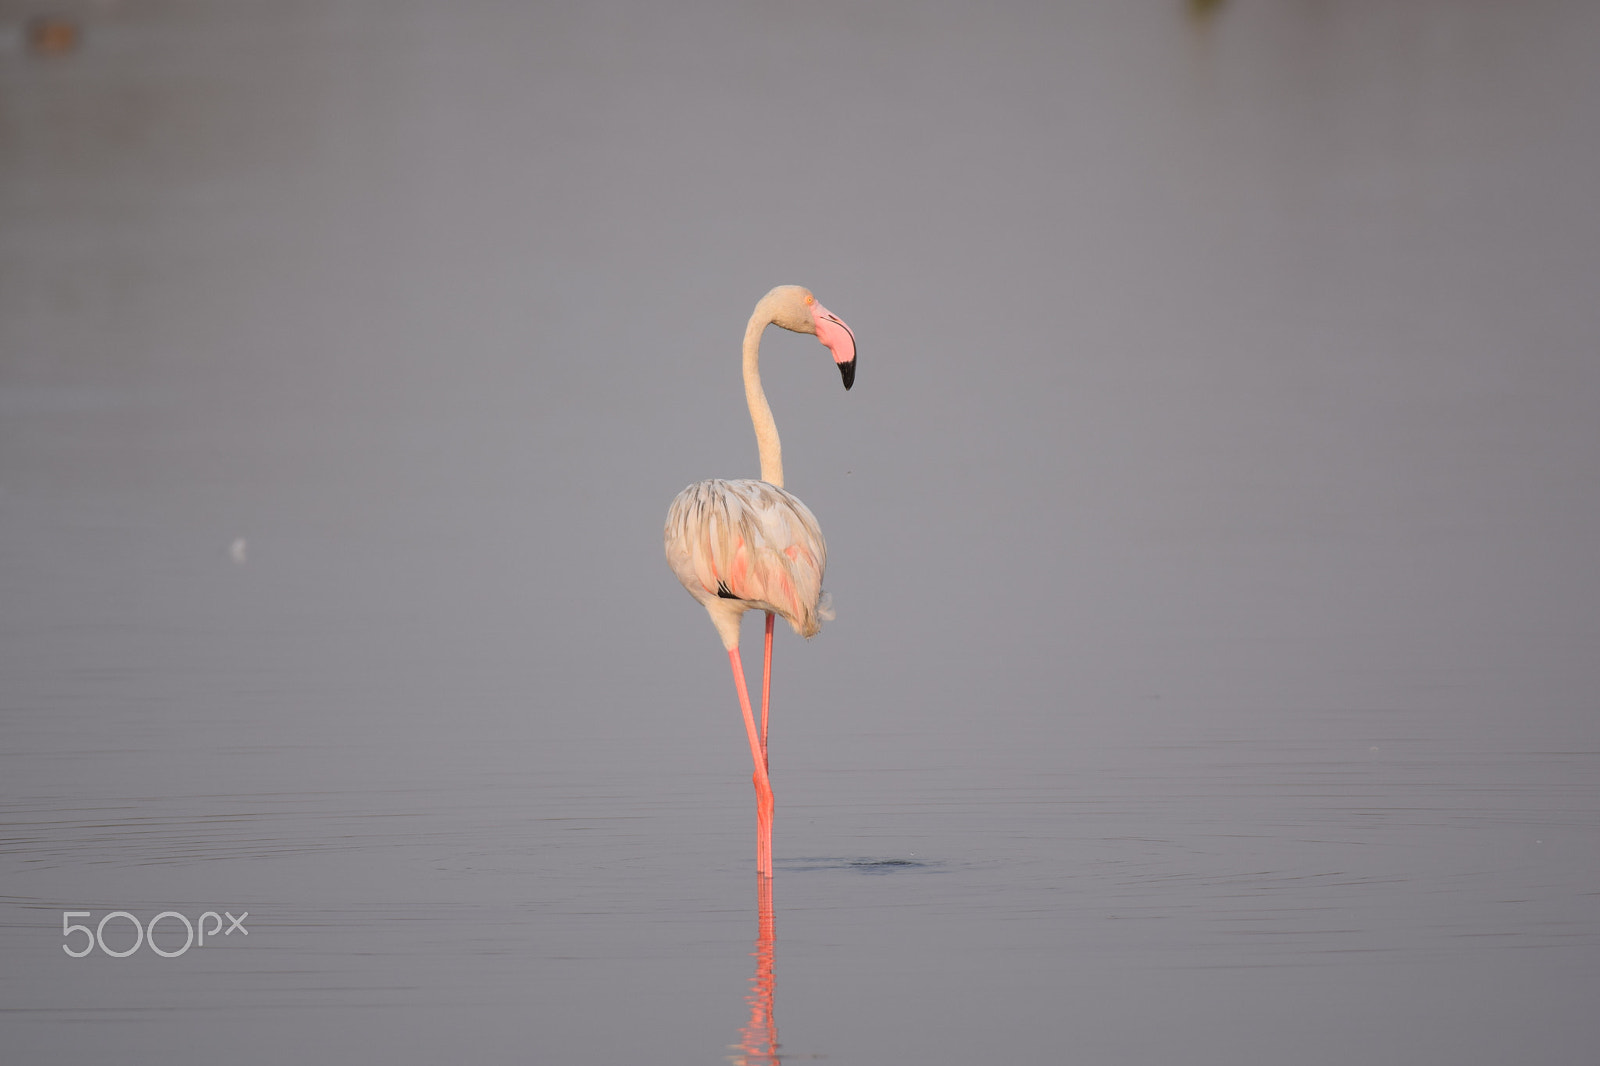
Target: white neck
760,413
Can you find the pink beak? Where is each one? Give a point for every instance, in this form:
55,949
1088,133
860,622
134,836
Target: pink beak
833,333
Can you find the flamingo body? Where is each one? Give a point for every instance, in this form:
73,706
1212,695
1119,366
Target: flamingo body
746,545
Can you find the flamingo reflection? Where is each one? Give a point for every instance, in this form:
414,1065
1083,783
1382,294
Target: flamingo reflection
758,1040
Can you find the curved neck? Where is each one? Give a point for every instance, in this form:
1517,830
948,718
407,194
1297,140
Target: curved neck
760,412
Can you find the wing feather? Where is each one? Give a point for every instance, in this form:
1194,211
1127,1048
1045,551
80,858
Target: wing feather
754,540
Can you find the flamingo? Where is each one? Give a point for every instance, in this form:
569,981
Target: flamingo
747,545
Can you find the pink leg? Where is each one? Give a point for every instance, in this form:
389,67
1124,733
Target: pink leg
766,691
764,803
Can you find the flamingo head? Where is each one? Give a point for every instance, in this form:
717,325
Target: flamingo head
794,308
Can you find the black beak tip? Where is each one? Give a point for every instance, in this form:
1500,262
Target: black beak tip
848,372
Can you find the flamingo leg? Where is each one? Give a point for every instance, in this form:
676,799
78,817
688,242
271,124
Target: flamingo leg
764,803
766,690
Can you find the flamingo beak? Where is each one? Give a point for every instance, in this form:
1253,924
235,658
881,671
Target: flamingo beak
833,333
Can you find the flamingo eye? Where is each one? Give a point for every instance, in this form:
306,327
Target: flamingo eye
810,299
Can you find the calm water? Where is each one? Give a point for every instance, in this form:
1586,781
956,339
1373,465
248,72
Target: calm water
1211,525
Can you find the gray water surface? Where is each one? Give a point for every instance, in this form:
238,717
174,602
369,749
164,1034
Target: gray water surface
1212,529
